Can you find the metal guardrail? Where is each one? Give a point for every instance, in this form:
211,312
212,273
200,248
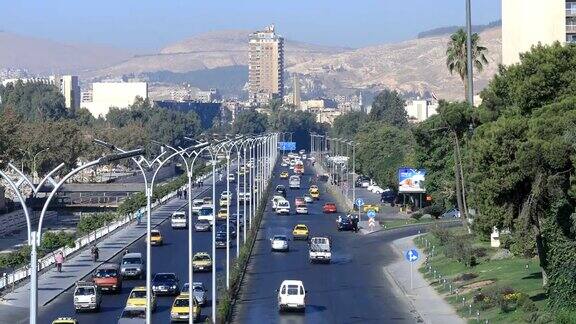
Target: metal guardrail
23,273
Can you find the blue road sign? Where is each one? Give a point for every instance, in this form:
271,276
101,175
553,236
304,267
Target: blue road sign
359,202
371,213
412,255
287,146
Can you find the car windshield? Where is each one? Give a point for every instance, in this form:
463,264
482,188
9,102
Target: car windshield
138,294
292,290
165,276
202,222
206,211
301,227
178,216
198,289
131,261
106,273
84,291
221,236
181,302
199,203
201,257
135,313
154,234
280,238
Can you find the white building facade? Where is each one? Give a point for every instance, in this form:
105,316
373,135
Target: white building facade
114,94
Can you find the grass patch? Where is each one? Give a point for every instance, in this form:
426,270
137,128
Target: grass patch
507,290
395,223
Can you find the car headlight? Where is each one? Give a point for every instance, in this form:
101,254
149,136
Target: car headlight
75,299
173,286
173,314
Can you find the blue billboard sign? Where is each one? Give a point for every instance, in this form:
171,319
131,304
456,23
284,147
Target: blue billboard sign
411,180
287,146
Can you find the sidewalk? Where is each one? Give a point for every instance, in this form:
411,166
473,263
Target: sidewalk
430,305
51,283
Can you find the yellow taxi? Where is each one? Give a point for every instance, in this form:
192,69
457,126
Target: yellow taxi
222,213
180,309
314,192
65,320
156,237
201,261
300,232
369,207
284,175
223,201
137,299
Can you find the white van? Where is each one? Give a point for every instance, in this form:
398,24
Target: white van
179,220
283,207
206,213
291,295
294,182
319,250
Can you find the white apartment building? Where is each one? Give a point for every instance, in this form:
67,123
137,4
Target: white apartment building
114,94
419,110
528,22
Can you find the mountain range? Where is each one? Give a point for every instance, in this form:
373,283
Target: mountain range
413,66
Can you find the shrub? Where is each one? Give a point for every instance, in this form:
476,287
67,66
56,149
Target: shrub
460,248
442,234
52,241
417,215
435,210
92,222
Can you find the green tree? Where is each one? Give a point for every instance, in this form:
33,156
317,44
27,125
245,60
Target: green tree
381,150
33,101
250,122
456,55
348,124
389,107
300,123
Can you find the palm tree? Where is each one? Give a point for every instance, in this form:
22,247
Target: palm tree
456,55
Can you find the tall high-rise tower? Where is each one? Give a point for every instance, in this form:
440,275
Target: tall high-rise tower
265,66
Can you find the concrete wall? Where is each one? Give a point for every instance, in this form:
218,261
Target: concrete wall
527,22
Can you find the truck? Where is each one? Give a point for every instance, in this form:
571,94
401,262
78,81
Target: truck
320,250
294,182
87,296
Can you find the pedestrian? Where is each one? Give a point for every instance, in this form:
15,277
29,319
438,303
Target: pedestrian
139,217
179,193
59,259
126,251
185,193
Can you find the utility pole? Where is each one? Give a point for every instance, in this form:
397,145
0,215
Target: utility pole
470,70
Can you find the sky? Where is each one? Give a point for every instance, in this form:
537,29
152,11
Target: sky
148,25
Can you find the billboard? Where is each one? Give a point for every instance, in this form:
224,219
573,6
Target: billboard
287,146
411,180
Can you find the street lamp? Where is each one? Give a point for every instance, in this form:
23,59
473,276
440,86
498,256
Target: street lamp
34,173
35,237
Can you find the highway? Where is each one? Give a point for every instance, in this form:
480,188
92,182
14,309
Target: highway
352,289
170,257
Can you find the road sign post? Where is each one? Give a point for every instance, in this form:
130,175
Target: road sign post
411,256
359,202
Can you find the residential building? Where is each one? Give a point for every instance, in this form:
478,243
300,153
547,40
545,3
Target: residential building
211,95
114,94
526,23
316,104
206,111
265,66
327,115
419,110
296,91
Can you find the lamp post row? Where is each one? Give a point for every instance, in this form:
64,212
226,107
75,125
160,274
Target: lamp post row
262,151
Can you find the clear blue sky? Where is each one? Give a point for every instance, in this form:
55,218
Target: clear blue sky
151,24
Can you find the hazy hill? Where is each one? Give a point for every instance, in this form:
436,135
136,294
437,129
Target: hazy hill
44,56
212,50
417,65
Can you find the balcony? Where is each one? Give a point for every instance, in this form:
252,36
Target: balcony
571,29
571,12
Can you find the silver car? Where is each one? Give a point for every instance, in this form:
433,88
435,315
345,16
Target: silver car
202,226
132,265
199,292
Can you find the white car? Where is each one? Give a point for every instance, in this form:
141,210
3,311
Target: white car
308,199
275,201
301,209
179,220
377,190
283,207
231,177
291,295
197,205
279,243
226,194
294,182
284,164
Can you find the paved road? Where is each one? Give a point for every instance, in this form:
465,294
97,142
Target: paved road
171,257
352,289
